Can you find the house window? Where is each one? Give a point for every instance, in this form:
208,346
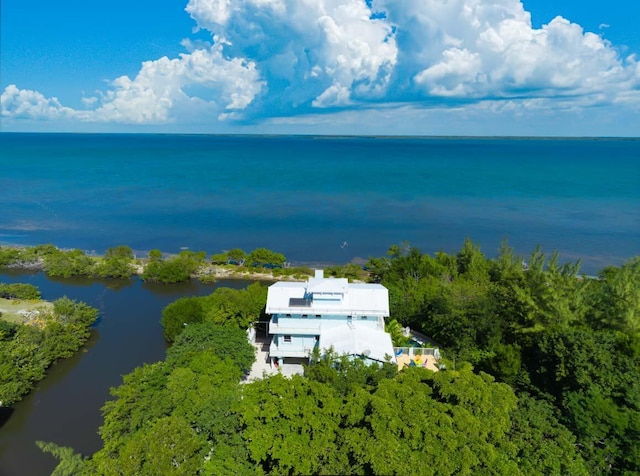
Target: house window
363,317
304,316
287,339
288,315
318,316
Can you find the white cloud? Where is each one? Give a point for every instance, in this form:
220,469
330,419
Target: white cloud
158,92
28,104
320,52
474,49
159,88
287,58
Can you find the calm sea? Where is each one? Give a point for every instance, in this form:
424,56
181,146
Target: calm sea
322,199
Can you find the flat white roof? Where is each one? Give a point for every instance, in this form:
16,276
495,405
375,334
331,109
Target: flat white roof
328,296
358,340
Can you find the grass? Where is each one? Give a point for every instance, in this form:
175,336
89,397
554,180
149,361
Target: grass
10,308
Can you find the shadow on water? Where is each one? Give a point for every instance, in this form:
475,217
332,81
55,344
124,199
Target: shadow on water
113,284
65,406
5,414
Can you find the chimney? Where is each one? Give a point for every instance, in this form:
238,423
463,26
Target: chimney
319,274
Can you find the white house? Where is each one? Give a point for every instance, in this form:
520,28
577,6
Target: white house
328,313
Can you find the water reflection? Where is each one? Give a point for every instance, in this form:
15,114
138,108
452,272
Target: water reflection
65,407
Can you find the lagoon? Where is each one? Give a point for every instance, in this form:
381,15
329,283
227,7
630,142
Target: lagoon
65,407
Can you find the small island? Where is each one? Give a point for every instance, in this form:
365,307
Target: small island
34,334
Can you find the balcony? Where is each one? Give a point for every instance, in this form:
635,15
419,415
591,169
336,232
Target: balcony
309,326
282,352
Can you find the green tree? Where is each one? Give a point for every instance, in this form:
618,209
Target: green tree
236,255
68,263
265,258
167,446
141,398
9,256
116,263
120,251
177,315
291,426
29,349
395,329
155,255
552,296
544,445
19,291
70,463
175,269
617,300
225,341
239,307
443,423
471,262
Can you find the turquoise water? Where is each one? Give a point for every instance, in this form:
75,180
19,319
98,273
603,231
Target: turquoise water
307,196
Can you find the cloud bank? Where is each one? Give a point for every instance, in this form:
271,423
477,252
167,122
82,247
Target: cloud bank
294,58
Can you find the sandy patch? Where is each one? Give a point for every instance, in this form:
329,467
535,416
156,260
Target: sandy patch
15,310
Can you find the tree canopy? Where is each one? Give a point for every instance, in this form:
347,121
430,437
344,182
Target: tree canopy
27,349
540,375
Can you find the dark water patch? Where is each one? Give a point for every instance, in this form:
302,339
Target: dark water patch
65,406
5,414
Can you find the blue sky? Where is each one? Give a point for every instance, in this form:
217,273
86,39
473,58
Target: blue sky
426,67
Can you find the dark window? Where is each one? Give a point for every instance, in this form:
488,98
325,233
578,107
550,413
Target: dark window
363,317
318,316
288,315
287,339
305,316
299,302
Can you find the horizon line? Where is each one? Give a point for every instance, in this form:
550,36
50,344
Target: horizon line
330,136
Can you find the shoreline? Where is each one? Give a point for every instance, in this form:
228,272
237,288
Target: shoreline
206,272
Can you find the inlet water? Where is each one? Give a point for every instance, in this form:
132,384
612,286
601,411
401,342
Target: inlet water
65,407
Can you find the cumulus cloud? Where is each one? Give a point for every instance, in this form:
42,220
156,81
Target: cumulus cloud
283,58
28,104
162,87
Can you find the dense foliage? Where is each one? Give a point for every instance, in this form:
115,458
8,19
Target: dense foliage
19,291
173,416
116,263
542,376
191,416
28,349
556,337
173,269
266,258
225,306
120,262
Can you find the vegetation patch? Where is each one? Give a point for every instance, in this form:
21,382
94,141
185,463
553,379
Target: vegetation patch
20,311
33,335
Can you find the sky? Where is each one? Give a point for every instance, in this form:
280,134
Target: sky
383,67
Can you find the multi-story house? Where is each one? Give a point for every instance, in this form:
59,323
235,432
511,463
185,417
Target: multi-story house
328,313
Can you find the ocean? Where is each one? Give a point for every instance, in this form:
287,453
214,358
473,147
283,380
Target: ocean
322,200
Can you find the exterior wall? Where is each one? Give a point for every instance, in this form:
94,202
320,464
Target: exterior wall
296,324
300,346
305,331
